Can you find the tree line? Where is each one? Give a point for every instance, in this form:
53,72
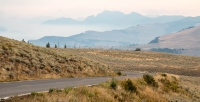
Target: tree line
48,45
168,50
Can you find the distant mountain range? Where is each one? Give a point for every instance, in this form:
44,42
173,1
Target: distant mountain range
115,18
139,34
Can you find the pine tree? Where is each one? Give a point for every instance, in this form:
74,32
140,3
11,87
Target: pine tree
55,46
65,46
48,45
23,40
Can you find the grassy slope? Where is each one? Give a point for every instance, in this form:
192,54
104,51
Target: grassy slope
171,90
143,61
188,38
22,61
19,61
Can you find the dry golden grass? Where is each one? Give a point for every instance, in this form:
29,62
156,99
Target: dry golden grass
23,61
104,93
143,61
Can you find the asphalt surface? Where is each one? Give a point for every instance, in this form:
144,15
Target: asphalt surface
8,89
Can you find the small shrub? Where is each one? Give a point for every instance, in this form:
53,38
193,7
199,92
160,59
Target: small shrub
51,64
5,47
61,61
34,93
24,54
119,73
42,65
113,83
137,49
129,86
150,80
164,75
58,90
91,94
174,78
1,51
7,67
15,59
170,85
11,76
51,90
27,62
71,76
68,89
34,62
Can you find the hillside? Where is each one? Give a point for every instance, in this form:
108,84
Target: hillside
142,61
23,61
140,34
187,38
183,23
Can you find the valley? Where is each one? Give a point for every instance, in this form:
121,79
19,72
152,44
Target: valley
23,61
111,56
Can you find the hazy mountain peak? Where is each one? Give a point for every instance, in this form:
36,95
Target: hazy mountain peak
116,18
135,13
106,12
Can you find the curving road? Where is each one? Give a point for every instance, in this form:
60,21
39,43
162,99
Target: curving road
8,89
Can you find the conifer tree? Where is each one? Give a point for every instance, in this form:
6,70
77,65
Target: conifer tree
48,45
65,46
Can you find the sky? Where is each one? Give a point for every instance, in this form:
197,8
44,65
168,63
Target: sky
16,14
84,8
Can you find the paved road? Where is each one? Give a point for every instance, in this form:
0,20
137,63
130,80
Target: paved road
23,87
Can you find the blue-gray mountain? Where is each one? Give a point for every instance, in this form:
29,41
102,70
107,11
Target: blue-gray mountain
115,18
140,34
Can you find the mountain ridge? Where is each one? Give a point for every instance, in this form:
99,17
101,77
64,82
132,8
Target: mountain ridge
139,34
115,17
